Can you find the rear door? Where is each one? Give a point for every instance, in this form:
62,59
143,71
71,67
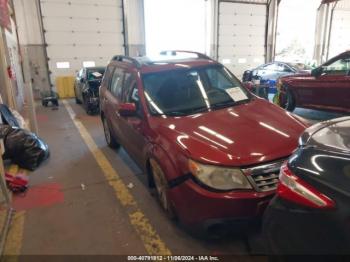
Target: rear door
112,100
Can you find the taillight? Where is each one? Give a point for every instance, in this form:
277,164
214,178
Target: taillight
294,189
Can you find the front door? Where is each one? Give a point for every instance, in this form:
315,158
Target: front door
133,127
331,89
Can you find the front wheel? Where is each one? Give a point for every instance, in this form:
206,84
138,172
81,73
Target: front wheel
288,102
161,185
111,142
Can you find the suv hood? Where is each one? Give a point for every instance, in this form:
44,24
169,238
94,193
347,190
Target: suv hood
242,135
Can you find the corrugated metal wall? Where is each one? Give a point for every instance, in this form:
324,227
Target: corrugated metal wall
242,35
79,31
340,31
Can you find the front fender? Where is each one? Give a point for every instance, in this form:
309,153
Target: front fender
172,166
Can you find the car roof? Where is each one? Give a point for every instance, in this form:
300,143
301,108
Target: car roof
166,65
147,64
95,68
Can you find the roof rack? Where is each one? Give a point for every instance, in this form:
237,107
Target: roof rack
175,53
122,58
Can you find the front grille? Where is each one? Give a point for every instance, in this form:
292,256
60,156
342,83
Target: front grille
264,178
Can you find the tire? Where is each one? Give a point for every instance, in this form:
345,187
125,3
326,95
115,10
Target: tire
289,104
110,140
86,106
161,188
77,101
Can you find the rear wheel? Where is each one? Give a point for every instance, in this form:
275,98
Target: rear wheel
86,106
77,101
289,101
111,142
161,186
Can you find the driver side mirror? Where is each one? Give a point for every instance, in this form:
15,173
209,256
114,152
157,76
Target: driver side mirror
317,71
127,109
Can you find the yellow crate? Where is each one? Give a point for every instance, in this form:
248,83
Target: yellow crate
65,86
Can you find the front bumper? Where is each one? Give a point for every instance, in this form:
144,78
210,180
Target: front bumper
196,205
292,230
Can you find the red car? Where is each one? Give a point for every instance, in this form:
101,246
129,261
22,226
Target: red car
210,148
326,88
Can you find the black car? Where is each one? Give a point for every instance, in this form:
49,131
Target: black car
310,213
86,88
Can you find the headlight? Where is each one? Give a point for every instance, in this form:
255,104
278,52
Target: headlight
219,178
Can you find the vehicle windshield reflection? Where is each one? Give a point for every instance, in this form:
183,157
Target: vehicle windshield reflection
190,91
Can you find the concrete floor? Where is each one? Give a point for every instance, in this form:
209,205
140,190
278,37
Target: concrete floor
70,208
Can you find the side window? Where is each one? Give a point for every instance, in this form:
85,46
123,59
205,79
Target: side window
107,77
117,83
287,69
129,82
270,67
133,97
339,67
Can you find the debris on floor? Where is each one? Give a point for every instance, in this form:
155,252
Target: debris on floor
23,148
130,185
17,183
83,187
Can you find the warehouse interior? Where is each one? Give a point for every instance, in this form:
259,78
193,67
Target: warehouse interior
89,172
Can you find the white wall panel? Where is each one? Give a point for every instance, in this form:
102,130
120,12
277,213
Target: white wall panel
340,34
81,30
242,35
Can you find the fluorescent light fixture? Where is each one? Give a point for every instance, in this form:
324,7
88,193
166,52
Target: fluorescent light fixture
89,64
242,60
62,65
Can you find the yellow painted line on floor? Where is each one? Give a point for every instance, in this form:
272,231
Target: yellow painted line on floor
151,240
14,238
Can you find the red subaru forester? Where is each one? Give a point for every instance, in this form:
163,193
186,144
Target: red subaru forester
210,148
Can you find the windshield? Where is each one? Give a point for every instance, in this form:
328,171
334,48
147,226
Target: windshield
299,66
95,74
185,92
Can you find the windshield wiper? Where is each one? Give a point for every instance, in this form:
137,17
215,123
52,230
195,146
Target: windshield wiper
223,104
228,103
187,111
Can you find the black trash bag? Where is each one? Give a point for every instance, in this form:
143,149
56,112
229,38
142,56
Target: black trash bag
7,117
24,148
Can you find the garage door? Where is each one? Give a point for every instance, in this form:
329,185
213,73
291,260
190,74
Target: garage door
340,34
242,35
79,32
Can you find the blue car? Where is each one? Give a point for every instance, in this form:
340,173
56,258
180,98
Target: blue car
270,72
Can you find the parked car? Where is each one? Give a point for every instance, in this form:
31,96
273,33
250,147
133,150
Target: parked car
311,211
325,88
270,72
86,88
210,148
